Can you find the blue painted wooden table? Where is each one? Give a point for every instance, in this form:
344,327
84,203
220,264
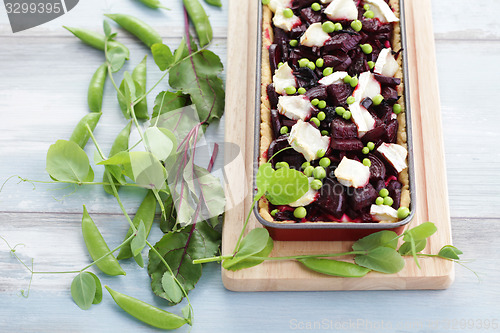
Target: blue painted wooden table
43,80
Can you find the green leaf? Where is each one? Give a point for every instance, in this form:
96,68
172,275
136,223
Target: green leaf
98,289
139,241
263,178
250,261
286,186
179,249
139,260
83,290
405,248
107,28
179,52
381,259
255,242
119,145
162,55
66,161
167,101
334,267
169,219
172,290
198,76
216,3
188,314
423,231
385,238
450,252
116,58
160,141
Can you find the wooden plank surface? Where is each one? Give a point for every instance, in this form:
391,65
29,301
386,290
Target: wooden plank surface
430,170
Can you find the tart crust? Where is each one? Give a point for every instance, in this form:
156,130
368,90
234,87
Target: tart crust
266,134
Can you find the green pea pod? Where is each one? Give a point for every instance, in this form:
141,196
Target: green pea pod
80,134
146,214
155,4
140,76
147,313
216,3
120,144
96,89
200,20
98,248
96,40
137,27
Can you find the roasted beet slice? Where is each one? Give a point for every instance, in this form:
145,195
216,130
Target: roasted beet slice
275,56
377,168
318,92
280,36
346,144
342,41
310,16
394,188
293,158
298,31
359,64
363,197
338,93
306,77
343,129
374,135
387,80
276,123
379,184
390,94
367,103
296,4
273,96
287,122
332,198
277,145
392,131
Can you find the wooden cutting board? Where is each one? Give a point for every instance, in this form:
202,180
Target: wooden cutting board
430,168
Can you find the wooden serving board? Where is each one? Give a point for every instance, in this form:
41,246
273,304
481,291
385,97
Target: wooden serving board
431,185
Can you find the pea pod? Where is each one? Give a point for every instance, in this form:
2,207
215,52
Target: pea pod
147,313
97,247
120,144
216,3
200,21
80,134
139,75
155,4
146,214
137,27
96,40
96,89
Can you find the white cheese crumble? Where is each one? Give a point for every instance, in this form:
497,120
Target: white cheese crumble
308,198
342,10
367,86
307,140
394,154
362,118
386,64
314,36
295,107
325,1
334,78
382,11
285,23
284,78
352,173
383,213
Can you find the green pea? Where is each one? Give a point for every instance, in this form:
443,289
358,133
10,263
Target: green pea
366,48
356,25
320,62
308,171
280,64
305,165
347,115
321,116
377,100
315,102
340,110
384,193
369,14
325,162
322,104
301,91
316,7
327,71
303,62
282,165
284,130
300,212
370,145
294,42
403,212
396,108
371,64
316,184
367,162
347,79
290,90
379,201
288,13
338,26
354,82
311,65
315,121
320,153
350,100
274,212
366,7
266,2
365,150
328,27
325,133
388,201
319,173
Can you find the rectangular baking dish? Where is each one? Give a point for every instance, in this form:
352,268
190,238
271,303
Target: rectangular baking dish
335,231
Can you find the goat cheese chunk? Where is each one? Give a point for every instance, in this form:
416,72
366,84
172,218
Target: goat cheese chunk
308,198
335,78
394,154
367,86
307,140
352,173
386,64
325,1
342,10
285,23
295,107
382,11
284,78
383,213
362,118
314,36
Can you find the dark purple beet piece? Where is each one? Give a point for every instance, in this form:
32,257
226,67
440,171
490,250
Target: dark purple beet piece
318,92
387,80
280,36
273,96
306,77
288,122
338,93
390,94
275,56
346,144
276,123
332,60
359,64
297,31
343,129
370,25
377,168
302,3
379,184
292,157
363,197
310,16
277,145
392,131
332,198
394,188
374,135
367,103
342,41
